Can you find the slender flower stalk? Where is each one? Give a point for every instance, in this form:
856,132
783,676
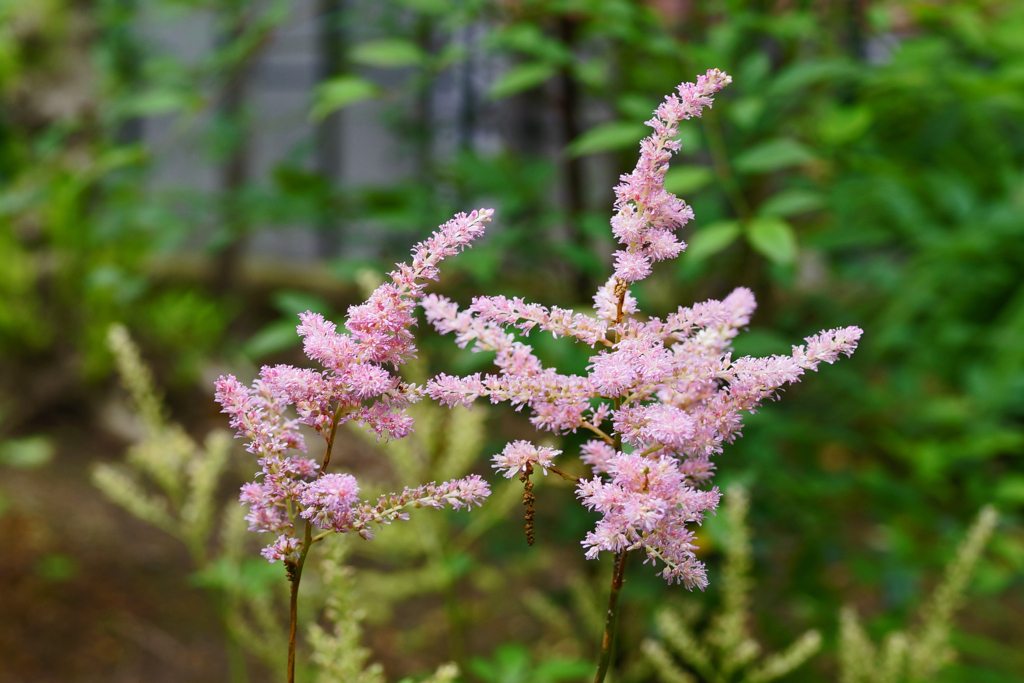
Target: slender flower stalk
611,616
661,396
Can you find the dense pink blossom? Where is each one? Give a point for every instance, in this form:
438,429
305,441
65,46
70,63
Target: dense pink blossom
654,423
598,455
329,500
662,397
357,383
647,505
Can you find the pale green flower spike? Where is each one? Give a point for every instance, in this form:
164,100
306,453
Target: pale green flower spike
915,656
185,474
725,652
337,652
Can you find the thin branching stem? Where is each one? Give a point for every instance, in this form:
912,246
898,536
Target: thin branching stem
563,474
611,617
295,570
330,442
295,574
599,432
653,449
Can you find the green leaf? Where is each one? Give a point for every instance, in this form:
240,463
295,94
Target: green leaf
773,155
1010,489
28,453
607,137
387,53
805,73
273,338
562,669
160,101
840,126
117,158
528,38
683,179
635,106
689,140
509,664
519,78
712,239
745,111
792,202
592,73
773,238
338,93
292,302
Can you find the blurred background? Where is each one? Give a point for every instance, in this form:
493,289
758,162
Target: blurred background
202,170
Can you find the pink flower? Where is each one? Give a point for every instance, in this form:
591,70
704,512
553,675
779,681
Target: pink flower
646,214
519,454
328,501
598,455
646,505
649,424
669,388
606,302
285,549
632,266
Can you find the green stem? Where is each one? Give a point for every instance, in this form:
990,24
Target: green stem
295,574
611,618
653,449
330,442
599,432
563,474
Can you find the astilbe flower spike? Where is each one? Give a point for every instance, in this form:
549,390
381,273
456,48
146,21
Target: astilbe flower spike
357,383
661,396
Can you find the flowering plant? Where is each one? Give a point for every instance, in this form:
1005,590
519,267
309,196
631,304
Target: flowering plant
670,389
355,384
661,396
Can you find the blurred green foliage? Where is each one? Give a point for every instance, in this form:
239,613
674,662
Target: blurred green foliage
866,167
77,228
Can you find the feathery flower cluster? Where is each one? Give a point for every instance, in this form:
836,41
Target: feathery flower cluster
661,396
519,455
648,504
357,383
457,493
647,215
